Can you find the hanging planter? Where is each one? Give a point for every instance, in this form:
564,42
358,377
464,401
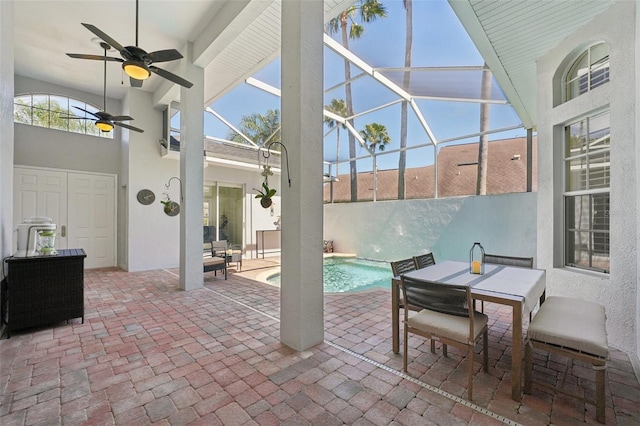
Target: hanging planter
265,195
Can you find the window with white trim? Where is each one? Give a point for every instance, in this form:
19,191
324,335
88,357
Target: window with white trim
586,197
589,71
45,110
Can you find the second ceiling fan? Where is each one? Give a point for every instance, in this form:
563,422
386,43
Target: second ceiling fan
103,120
136,62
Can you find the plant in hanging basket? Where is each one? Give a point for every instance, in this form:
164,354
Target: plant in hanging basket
265,195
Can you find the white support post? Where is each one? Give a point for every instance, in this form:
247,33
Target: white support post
191,172
301,292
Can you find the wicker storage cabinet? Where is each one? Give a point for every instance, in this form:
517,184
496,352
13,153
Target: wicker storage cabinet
43,290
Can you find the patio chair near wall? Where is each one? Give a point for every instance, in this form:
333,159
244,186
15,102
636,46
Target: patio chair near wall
403,266
424,260
498,259
448,317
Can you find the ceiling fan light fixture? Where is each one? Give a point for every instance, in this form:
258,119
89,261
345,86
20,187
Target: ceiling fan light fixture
104,126
136,70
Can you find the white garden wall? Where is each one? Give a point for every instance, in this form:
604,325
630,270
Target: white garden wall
448,227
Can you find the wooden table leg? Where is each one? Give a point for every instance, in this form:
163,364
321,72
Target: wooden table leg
516,353
395,315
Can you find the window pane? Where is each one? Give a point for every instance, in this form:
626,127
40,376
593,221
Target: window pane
23,100
578,249
587,235
599,53
599,170
91,128
21,113
576,134
576,171
57,122
599,132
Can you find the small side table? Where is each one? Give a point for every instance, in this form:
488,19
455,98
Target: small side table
235,255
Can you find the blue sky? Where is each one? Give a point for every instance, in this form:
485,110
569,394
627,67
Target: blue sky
438,40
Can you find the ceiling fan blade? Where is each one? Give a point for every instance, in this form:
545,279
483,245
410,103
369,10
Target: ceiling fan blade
111,42
94,57
126,126
120,118
164,55
76,118
134,82
171,77
88,112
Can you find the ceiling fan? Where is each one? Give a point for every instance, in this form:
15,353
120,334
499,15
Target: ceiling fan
136,62
103,120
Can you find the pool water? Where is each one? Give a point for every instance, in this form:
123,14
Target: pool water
341,275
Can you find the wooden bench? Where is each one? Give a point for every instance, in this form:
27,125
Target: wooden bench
575,329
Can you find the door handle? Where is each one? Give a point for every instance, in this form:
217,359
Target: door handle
63,231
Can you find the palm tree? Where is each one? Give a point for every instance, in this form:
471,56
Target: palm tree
375,135
408,43
337,107
261,129
368,11
483,146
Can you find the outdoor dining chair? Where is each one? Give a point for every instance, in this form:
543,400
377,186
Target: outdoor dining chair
448,317
424,260
403,266
400,267
498,259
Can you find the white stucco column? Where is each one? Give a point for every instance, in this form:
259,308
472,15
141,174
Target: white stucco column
6,127
301,295
191,172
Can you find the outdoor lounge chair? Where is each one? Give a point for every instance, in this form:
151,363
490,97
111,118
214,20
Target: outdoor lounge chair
215,259
449,317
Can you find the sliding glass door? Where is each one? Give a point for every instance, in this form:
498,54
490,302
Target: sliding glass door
223,213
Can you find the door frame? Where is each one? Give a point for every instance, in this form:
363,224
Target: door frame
81,172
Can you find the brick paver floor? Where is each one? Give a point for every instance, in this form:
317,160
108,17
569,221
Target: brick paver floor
149,353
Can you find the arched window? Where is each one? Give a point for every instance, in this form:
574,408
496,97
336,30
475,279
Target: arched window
45,110
589,71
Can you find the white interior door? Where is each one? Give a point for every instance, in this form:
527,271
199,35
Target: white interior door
92,223
40,193
83,206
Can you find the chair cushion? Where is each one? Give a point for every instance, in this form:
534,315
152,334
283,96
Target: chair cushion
451,326
571,323
209,261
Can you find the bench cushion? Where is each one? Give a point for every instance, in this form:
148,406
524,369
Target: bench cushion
571,323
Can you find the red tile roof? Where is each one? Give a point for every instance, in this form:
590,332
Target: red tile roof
457,174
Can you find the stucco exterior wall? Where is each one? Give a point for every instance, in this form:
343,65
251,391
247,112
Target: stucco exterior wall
448,227
637,80
42,147
617,291
6,127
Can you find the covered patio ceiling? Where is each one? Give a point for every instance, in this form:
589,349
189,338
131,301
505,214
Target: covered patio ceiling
232,39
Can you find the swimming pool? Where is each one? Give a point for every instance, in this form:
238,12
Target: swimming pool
351,274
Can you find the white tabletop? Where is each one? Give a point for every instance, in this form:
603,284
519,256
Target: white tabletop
511,280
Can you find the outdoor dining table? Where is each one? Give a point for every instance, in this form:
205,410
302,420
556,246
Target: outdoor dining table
520,288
